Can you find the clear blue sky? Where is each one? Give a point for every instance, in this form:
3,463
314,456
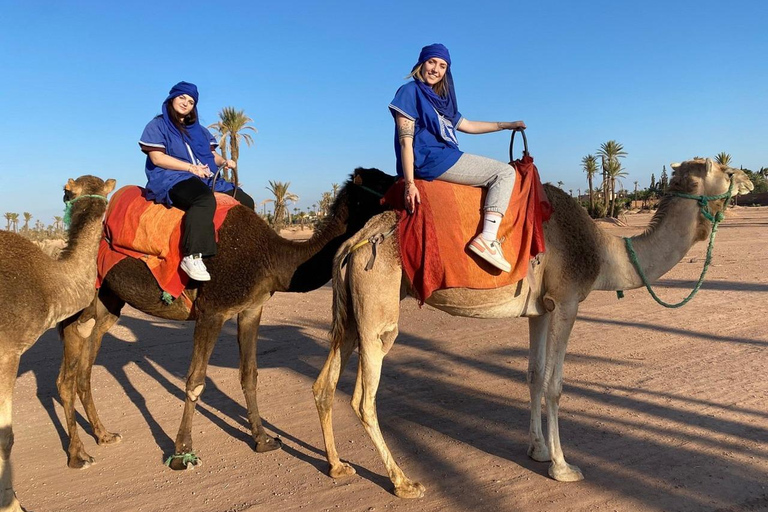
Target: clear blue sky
668,79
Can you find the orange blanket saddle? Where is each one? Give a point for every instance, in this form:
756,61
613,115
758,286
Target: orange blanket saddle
434,239
150,232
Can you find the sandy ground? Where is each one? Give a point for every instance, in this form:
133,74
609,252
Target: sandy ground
662,409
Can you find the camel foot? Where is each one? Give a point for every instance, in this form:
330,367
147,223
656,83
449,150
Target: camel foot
80,460
410,489
342,470
566,473
539,453
184,461
109,438
267,444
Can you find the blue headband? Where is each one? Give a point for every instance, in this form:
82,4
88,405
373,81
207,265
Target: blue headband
184,88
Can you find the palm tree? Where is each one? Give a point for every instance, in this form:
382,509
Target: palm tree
15,222
560,184
8,217
282,196
723,158
614,171
27,218
609,154
230,125
325,204
57,222
335,188
589,165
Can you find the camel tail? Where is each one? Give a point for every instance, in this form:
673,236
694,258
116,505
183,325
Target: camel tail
340,289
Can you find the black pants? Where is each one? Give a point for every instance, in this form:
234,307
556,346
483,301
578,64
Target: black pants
196,199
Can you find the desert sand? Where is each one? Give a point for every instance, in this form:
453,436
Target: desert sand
663,409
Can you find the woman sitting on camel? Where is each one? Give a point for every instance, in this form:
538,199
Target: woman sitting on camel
426,117
180,167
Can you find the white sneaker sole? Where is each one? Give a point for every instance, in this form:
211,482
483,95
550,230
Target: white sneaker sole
489,258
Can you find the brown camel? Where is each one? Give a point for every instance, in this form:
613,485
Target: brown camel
252,263
37,291
579,258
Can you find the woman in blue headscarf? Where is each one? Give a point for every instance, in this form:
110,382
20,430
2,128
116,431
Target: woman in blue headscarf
180,166
426,119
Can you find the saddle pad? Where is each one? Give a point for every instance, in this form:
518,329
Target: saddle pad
434,239
150,232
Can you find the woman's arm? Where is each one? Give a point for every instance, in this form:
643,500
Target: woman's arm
221,161
405,131
160,159
468,126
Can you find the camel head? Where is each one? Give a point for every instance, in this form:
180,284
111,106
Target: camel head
361,195
704,177
87,185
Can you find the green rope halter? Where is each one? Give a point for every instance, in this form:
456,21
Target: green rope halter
715,219
68,206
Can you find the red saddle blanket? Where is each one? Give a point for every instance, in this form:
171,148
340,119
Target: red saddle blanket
150,232
434,239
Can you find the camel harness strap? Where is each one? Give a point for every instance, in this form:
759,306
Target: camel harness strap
374,240
715,219
68,206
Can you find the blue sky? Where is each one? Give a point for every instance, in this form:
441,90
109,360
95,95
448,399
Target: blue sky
669,80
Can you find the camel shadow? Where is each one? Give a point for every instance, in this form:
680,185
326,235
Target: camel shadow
414,392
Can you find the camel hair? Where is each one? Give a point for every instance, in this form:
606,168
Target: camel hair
37,291
579,258
253,262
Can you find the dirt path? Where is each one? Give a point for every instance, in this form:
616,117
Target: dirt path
662,409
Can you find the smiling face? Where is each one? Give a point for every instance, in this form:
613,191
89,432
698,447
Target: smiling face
183,104
433,70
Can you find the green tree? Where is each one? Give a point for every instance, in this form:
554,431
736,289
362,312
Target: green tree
27,218
560,184
614,172
589,165
231,125
15,222
8,218
664,180
281,198
335,188
609,154
723,158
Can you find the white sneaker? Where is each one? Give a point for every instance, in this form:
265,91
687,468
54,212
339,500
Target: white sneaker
490,251
195,268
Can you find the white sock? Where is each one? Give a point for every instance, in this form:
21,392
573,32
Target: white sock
491,226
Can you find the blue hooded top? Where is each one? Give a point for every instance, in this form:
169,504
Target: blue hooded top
435,146
194,147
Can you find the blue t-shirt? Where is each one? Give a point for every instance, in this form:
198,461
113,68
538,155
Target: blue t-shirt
161,180
435,147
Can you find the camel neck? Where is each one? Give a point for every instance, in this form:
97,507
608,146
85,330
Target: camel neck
670,236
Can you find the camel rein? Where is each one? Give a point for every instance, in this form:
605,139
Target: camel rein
715,219
68,206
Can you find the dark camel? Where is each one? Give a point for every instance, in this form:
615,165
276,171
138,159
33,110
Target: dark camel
252,263
579,258
37,291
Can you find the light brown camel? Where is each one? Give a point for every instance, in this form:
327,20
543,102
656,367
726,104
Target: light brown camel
252,263
579,258
37,291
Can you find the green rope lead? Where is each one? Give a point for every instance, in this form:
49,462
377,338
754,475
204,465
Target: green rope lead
186,458
68,207
715,219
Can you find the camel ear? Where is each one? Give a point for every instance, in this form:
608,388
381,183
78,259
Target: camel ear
70,184
710,166
73,187
675,165
109,186
358,180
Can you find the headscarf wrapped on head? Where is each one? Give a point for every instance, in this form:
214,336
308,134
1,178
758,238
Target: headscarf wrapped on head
447,105
197,137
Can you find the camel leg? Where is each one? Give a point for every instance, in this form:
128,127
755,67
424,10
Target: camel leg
207,329
247,337
324,390
75,374
9,368
559,331
537,333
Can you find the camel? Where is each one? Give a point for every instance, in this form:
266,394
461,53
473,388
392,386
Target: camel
253,262
37,291
579,258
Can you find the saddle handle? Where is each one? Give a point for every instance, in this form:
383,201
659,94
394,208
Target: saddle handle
512,144
216,176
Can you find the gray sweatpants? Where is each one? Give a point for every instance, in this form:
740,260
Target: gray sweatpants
479,171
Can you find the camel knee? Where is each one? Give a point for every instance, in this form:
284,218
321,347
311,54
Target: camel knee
388,338
6,442
193,393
